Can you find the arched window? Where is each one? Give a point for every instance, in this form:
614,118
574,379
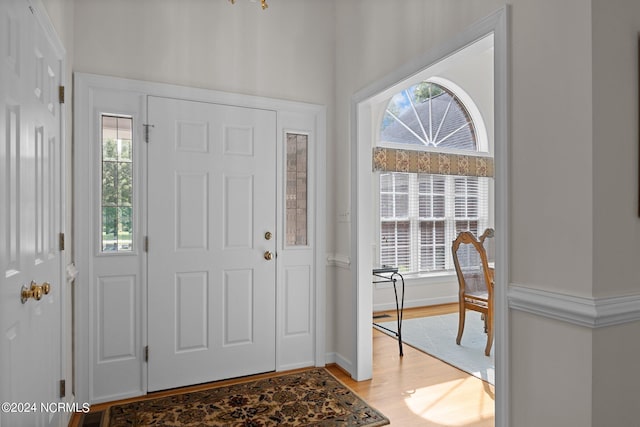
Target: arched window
433,184
428,115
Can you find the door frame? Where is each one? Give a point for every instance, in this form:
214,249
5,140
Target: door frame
362,203
66,267
290,115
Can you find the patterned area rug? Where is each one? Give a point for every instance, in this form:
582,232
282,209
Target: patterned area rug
308,398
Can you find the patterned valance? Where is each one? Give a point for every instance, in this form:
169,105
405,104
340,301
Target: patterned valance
393,160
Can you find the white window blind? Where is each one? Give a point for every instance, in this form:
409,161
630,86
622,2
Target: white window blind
421,214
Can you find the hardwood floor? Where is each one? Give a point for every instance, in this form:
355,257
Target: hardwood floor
419,390
415,390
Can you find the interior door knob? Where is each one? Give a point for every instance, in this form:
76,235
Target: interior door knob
268,255
35,291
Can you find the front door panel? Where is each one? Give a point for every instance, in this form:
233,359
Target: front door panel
211,199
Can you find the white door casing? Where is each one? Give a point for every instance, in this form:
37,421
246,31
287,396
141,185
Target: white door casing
31,217
212,198
300,277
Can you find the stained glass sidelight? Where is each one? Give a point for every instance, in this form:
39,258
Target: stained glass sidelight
296,189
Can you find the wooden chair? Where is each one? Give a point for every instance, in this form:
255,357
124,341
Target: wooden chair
475,281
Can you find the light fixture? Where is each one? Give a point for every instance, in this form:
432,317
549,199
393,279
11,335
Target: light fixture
262,2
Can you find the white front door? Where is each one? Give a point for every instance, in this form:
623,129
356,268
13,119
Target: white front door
30,220
211,263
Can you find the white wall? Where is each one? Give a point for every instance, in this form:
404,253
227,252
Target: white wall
551,205
551,139
551,373
574,220
616,229
285,51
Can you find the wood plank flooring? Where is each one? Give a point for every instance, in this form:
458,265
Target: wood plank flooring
419,390
415,390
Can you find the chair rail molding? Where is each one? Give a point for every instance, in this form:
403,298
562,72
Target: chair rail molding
339,260
594,312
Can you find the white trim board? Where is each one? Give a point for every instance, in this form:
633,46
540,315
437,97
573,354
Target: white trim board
581,311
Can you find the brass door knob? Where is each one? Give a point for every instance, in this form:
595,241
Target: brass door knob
268,256
35,291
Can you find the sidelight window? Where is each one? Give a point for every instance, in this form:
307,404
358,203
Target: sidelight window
117,184
296,189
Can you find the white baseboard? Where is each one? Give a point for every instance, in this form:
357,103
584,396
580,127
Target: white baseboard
582,311
340,361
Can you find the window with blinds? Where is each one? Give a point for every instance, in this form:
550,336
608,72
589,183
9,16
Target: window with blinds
422,213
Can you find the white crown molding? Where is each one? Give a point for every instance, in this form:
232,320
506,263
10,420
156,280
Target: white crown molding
582,311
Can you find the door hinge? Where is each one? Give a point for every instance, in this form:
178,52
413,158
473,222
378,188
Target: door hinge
146,243
146,132
146,354
63,387
61,242
61,94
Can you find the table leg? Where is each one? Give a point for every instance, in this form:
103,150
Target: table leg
399,308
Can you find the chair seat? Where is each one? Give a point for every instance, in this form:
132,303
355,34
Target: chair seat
475,296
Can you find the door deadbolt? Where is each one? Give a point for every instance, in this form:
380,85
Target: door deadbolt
268,235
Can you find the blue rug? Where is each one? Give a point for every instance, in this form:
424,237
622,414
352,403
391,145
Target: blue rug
436,336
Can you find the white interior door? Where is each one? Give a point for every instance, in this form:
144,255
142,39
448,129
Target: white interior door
30,219
211,201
